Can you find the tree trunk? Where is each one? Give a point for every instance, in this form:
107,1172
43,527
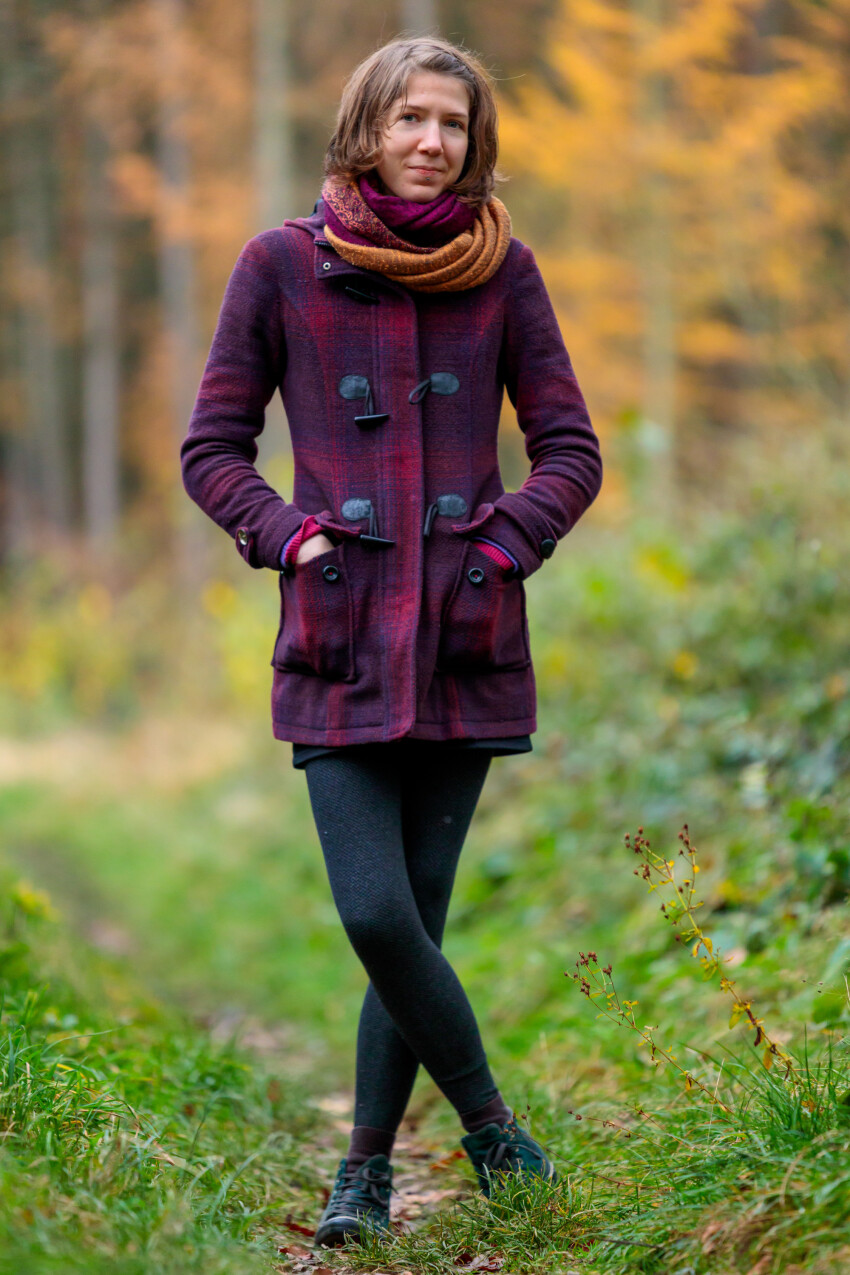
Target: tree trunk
274,161
39,492
100,390
418,17
655,266
177,278
17,458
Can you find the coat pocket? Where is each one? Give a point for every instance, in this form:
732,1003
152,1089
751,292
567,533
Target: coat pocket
316,633
484,626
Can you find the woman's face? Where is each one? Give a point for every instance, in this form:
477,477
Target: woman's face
426,138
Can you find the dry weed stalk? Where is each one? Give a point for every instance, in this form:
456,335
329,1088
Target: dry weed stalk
597,983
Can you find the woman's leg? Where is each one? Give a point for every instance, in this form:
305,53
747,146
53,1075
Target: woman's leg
388,817
439,792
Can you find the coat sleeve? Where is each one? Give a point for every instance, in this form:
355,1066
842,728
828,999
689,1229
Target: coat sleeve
241,374
566,466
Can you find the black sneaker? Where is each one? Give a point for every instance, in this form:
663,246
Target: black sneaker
359,1199
495,1150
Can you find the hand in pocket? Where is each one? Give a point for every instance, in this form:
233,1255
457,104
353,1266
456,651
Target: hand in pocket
312,548
484,627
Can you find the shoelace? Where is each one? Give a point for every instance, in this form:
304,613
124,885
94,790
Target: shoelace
494,1155
500,1151
363,1188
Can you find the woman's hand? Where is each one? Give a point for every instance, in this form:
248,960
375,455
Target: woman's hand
312,548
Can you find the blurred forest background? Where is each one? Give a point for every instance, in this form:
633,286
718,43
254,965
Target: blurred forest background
168,943
680,168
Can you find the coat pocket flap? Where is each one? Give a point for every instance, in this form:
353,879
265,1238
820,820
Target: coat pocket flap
328,522
483,513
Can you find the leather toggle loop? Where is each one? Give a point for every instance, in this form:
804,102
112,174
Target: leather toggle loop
357,507
355,387
430,515
449,505
439,382
371,536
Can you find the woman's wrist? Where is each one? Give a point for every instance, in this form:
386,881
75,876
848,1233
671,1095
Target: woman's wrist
499,555
309,528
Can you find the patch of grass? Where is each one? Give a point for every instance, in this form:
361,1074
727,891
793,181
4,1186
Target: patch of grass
126,1133
674,1186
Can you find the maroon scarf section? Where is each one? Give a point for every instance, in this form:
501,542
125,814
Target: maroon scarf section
362,214
428,225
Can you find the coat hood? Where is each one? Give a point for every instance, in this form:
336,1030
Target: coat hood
314,224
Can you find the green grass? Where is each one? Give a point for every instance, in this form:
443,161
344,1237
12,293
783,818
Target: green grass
129,1136
674,1187
687,673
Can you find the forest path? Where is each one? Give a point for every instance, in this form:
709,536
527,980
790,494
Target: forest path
424,1183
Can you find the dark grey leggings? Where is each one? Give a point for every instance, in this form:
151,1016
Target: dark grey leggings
392,819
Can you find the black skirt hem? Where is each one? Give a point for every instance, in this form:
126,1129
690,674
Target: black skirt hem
302,753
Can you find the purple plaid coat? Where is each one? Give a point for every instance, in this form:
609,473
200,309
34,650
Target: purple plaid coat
392,398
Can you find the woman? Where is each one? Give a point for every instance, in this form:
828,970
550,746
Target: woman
391,320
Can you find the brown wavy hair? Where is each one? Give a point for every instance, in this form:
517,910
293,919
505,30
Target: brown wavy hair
382,79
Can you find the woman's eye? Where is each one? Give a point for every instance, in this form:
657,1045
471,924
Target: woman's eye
411,115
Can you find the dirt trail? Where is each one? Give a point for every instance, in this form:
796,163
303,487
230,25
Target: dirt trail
424,1182
427,1177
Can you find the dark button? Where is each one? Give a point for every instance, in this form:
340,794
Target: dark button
547,547
475,575
381,541
242,535
371,537
372,420
330,572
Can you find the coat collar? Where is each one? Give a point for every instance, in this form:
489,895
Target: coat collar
327,263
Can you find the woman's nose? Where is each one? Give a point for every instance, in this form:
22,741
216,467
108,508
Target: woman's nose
431,140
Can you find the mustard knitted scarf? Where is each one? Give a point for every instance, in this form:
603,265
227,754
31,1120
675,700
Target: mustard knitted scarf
466,261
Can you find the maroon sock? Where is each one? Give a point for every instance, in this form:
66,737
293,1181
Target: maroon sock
493,1112
366,1142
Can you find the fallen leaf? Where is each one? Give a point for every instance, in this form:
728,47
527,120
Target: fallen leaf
297,1227
295,1250
420,1199
711,1237
445,1160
